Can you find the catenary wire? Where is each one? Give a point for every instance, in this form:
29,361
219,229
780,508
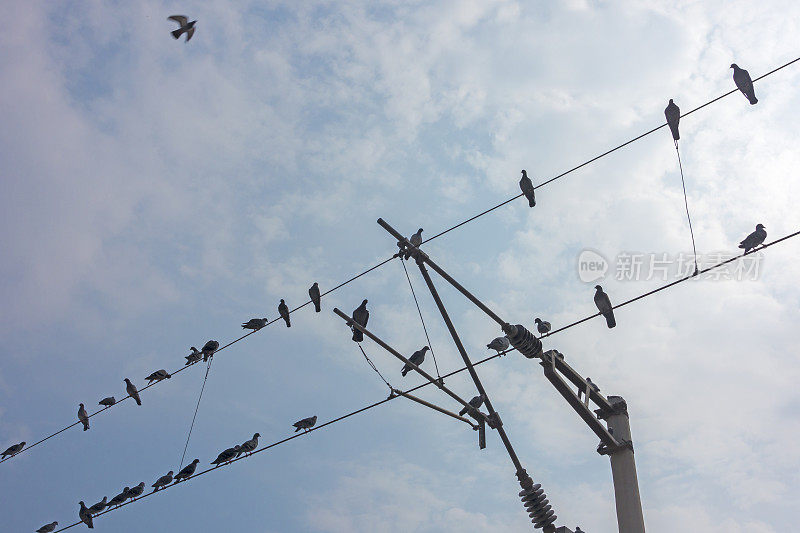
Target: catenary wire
197,407
424,328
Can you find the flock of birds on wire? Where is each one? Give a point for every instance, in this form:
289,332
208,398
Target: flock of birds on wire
360,315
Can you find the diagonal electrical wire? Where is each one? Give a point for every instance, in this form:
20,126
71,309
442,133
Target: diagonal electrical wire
686,203
189,436
350,280
392,397
430,345
592,160
373,366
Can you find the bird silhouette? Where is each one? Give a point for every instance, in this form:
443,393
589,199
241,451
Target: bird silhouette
475,402
83,417
185,26
313,292
283,309
360,317
603,304
133,392
526,186
13,449
742,80
673,114
306,423
417,358
85,515
754,239
542,326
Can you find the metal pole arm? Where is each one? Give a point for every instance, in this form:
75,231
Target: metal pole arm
434,407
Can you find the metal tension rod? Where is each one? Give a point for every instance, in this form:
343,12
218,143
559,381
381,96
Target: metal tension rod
397,354
413,398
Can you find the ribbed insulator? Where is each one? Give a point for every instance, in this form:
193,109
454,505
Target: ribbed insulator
524,341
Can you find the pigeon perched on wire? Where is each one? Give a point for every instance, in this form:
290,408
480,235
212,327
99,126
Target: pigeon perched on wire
255,323
99,506
136,491
193,357
108,402
187,471
133,392
742,80
416,241
185,26
209,349
47,528
13,449
361,317
417,358
306,423
248,446
754,239
226,456
283,309
604,306
500,344
163,481
673,114
120,498
85,516
158,375
542,326
83,417
313,292
526,186
475,403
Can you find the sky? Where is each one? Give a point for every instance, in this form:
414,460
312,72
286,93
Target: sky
158,193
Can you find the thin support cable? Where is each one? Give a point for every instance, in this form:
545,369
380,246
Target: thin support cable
189,436
686,203
430,345
374,367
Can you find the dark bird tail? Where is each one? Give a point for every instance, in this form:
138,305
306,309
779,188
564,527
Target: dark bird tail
177,33
297,429
138,400
317,307
752,98
288,322
675,134
358,336
610,319
405,370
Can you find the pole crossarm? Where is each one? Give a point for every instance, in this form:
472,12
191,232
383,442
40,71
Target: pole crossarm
435,407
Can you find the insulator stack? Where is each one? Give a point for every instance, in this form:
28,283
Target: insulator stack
524,341
539,509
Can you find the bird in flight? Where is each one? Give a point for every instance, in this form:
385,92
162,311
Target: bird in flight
185,26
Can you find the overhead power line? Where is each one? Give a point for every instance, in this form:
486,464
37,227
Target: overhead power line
499,354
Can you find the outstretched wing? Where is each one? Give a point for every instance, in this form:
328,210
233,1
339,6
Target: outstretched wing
189,33
180,19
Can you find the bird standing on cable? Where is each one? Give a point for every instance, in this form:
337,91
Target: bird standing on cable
603,304
248,446
187,471
133,392
85,516
283,309
673,114
158,375
255,323
417,358
193,357
163,481
306,423
360,317
226,456
526,186
108,402
475,403
742,79
313,292
209,349
47,528
83,417
136,491
416,241
120,498
185,26
500,344
542,326
99,506
13,449
754,239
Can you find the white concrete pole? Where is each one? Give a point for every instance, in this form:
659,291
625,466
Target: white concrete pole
623,468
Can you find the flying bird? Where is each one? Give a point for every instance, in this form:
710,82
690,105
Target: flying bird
133,392
83,417
107,401
248,446
187,471
754,239
542,326
673,114
226,456
209,349
255,324
136,491
360,317
476,402
306,423
13,449
526,186
499,344
283,309
193,357
742,80
604,306
120,498
185,26
313,292
47,528
158,375
99,506
416,241
163,481
417,358
85,516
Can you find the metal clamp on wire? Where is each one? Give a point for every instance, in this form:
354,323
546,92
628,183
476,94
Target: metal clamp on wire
523,340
